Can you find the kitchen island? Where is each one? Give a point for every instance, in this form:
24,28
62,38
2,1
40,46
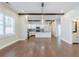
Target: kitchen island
39,33
44,34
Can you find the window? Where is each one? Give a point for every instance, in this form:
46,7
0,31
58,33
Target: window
9,25
1,24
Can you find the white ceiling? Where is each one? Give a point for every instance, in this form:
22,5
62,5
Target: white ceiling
49,7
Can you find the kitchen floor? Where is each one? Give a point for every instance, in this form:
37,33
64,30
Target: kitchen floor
40,48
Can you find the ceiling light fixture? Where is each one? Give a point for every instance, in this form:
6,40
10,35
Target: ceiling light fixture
42,9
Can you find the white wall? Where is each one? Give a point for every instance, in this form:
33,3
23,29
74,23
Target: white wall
8,40
54,28
23,27
67,25
58,23
66,29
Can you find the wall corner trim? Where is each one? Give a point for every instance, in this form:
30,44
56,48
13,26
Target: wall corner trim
67,41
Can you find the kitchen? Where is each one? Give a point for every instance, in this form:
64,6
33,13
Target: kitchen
40,30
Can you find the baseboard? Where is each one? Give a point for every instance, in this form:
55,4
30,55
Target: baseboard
10,43
67,41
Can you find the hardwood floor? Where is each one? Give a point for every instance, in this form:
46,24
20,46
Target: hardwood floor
40,48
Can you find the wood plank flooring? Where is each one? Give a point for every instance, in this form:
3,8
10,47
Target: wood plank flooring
41,48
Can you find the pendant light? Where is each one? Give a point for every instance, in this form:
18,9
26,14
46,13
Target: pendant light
42,9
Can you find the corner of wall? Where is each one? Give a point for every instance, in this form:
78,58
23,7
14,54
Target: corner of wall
66,41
